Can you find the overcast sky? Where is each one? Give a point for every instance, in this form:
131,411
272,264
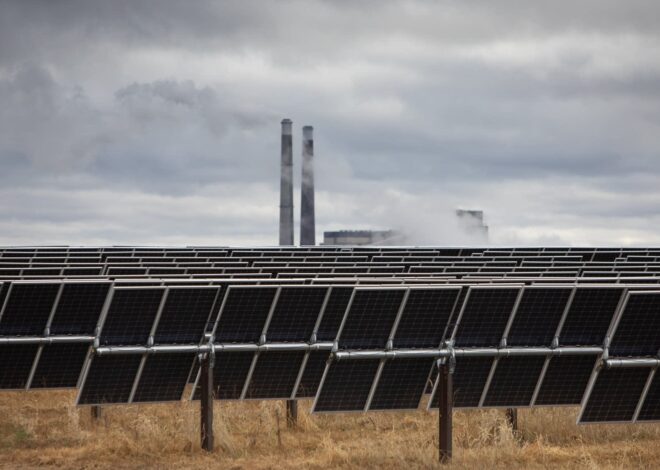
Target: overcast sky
158,121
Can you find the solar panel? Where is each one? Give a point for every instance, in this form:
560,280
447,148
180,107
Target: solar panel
425,317
109,379
401,384
537,316
614,395
312,374
185,315
163,377
275,374
346,386
244,313
16,364
296,313
514,381
485,315
230,373
650,410
637,332
469,380
369,320
79,308
131,314
590,315
565,380
59,366
27,309
333,313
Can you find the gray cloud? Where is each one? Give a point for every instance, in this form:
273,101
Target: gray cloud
157,121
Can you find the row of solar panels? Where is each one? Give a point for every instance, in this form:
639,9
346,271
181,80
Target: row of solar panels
420,317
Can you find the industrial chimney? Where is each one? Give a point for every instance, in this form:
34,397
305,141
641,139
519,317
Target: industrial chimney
307,224
286,185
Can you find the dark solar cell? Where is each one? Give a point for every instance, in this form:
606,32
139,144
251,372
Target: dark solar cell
4,287
469,380
514,381
59,366
131,316
346,386
109,380
334,313
16,364
401,384
185,314
296,313
275,374
27,309
425,318
565,380
244,314
538,316
164,377
230,373
311,377
589,316
79,309
485,316
370,319
615,395
638,331
651,408
81,271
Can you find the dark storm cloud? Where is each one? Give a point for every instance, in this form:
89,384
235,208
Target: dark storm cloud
118,113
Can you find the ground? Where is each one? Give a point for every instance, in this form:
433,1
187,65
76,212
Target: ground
45,430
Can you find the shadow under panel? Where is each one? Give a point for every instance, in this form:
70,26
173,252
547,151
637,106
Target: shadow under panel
402,383
60,366
514,381
164,377
109,379
565,380
346,385
275,374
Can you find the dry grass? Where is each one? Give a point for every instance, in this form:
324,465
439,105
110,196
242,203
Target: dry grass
44,429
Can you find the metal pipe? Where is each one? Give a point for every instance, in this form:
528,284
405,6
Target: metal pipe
64,339
286,185
467,352
307,216
219,348
631,363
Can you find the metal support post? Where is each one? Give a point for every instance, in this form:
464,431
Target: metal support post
445,395
512,419
291,413
96,413
206,403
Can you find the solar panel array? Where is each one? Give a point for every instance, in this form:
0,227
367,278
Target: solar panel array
357,329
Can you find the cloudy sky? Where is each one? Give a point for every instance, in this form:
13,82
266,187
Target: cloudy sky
157,121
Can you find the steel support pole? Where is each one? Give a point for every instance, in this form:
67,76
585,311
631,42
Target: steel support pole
96,413
446,399
206,404
291,413
512,419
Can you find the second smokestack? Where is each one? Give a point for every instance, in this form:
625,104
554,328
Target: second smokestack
307,224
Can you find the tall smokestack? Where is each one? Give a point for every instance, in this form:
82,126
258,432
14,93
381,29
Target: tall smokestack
286,185
307,224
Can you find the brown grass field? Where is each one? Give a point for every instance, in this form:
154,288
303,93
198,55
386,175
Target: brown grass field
45,430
